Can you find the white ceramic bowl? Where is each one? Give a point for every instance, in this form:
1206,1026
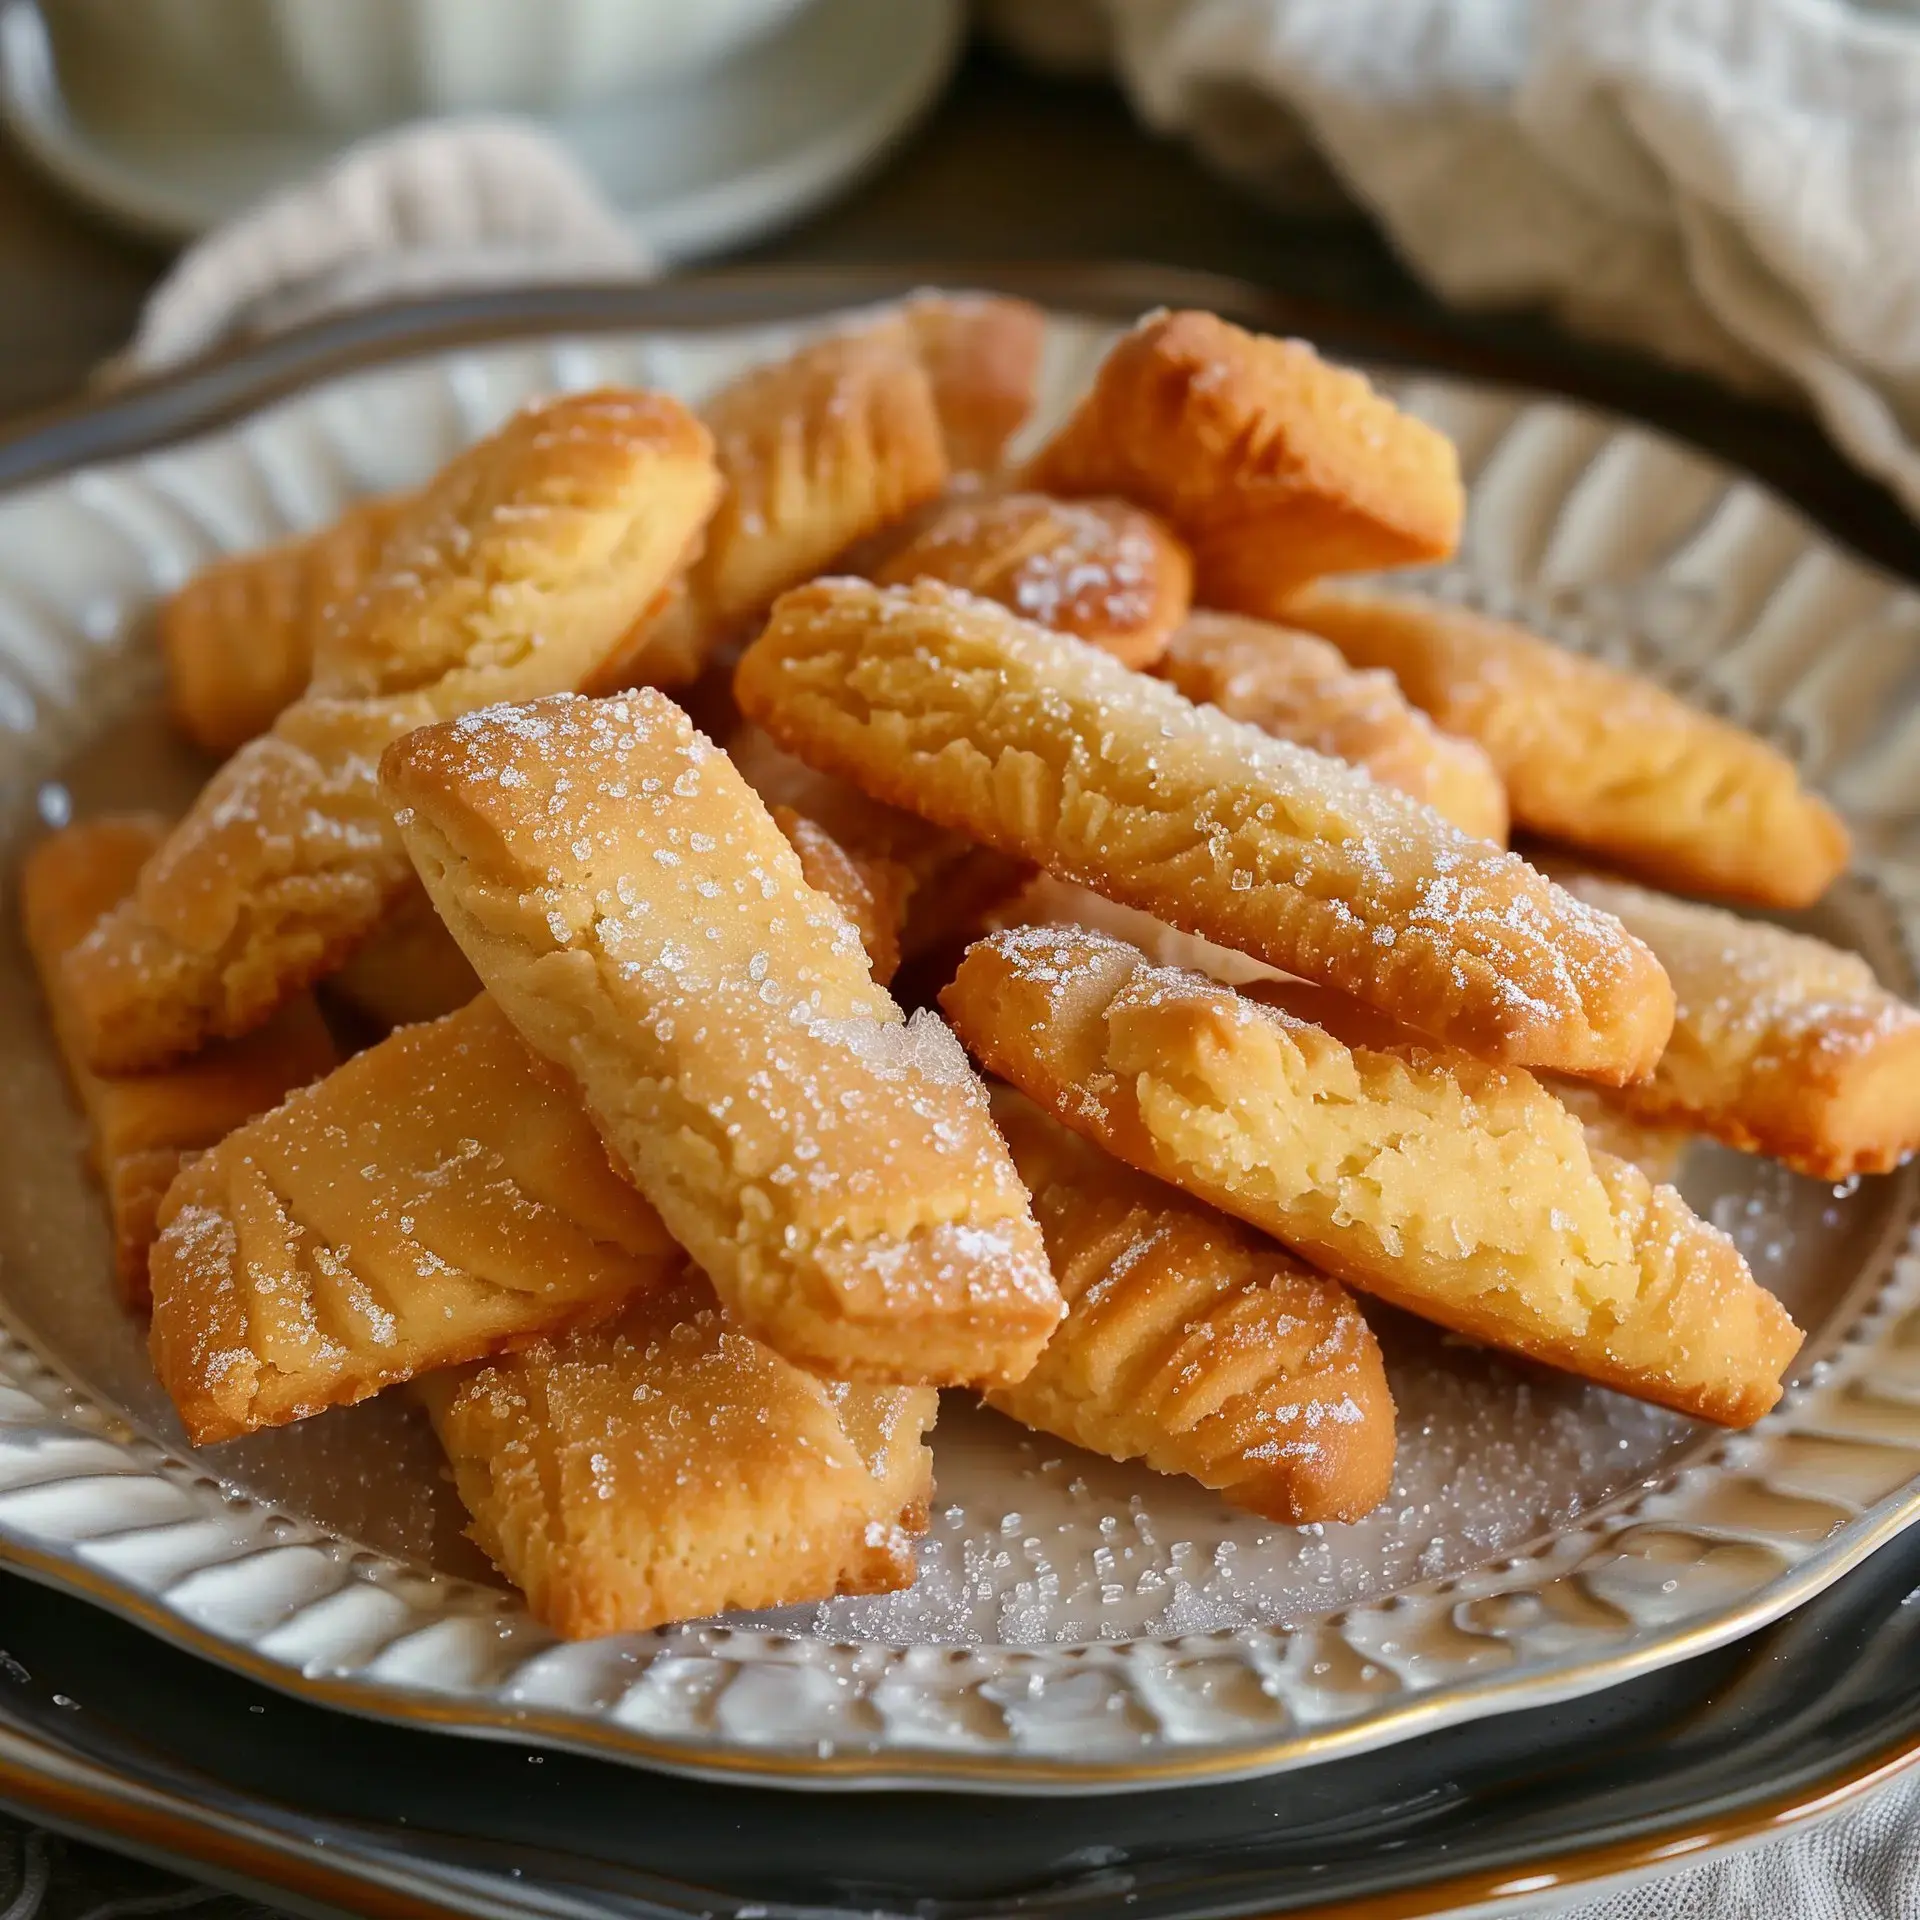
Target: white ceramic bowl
358,64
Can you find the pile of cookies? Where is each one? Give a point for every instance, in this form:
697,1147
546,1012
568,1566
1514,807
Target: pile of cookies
486,1026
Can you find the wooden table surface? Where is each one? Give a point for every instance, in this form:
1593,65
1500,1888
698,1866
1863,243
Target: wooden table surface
1016,167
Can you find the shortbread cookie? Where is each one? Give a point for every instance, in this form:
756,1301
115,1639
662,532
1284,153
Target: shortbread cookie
1298,687
435,1199
410,969
871,892
1194,1343
1274,466
1602,759
816,451
1656,1149
238,638
845,438
831,1165
1457,1190
1100,570
982,354
142,1127
1047,902
1054,752
514,573
953,883
666,1467
1782,1045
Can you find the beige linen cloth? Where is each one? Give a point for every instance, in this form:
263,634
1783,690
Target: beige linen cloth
1733,184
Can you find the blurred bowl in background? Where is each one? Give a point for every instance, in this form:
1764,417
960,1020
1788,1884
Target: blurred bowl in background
359,64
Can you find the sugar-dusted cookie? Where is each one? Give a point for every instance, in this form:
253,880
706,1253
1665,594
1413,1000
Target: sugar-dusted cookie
869,889
1047,902
238,638
1653,1146
955,883
846,438
1298,687
816,451
982,354
514,573
410,968
142,1127
664,1466
1100,570
1194,1343
434,1199
1274,466
831,1165
1458,1190
1054,752
1600,758
1782,1045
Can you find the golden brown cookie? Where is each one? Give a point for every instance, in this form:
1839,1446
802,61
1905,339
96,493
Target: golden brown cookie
982,355
410,969
953,883
238,638
1193,1343
514,573
1054,752
438,1197
816,451
1656,1149
1047,902
1457,1190
1100,570
872,892
1782,1045
1602,759
847,437
1300,688
1274,466
665,1467
142,1127
831,1165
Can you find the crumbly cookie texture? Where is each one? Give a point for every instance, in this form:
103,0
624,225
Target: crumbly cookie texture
238,638
982,355
514,573
829,1163
1051,751
1458,1190
1274,466
1193,1342
436,1198
1599,758
1298,687
1782,1045
664,1467
1101,570
142,1128
410,968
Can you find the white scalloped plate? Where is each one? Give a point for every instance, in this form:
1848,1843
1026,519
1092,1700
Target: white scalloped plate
1076,1625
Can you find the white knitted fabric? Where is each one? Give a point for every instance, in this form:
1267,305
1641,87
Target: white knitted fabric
438,207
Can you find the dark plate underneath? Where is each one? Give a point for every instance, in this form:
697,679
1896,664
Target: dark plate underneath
201,1767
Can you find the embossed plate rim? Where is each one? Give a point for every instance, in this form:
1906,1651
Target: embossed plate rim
62,1418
